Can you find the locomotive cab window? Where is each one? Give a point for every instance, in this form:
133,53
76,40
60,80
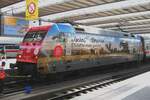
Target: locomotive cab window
35,36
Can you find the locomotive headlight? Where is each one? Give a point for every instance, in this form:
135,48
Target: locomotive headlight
36,51
36,57
19,56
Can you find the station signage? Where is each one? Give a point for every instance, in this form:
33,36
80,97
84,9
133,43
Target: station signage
32,9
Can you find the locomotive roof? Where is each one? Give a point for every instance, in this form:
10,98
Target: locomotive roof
88,29
37,28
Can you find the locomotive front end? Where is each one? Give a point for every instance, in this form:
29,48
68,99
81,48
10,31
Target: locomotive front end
29,50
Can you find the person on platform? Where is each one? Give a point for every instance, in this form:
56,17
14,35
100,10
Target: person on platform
2,76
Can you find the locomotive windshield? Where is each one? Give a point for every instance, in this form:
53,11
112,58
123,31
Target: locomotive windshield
35,36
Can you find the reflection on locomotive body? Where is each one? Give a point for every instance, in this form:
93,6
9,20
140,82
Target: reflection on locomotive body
125,46
51,49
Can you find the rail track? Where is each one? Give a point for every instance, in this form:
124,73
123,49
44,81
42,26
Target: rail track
69,89
85,88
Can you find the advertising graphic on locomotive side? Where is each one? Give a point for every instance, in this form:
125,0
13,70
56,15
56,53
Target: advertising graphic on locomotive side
61,47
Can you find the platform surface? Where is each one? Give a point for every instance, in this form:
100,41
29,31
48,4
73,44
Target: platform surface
135,88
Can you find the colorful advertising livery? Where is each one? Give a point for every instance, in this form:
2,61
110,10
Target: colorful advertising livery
61,47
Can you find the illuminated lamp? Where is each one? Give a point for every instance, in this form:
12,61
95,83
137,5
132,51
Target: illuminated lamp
19,56
2,75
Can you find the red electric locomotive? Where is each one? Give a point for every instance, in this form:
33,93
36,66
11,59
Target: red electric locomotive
30,47
61,47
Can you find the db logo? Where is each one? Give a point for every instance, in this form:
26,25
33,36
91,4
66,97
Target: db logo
31,8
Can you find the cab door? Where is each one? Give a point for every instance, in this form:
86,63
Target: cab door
68,45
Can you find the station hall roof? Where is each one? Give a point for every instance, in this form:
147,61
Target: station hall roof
4,3
126,15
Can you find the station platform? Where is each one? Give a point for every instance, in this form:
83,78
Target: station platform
135,88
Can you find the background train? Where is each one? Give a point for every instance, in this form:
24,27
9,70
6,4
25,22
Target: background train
9,46
61,47
146,47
